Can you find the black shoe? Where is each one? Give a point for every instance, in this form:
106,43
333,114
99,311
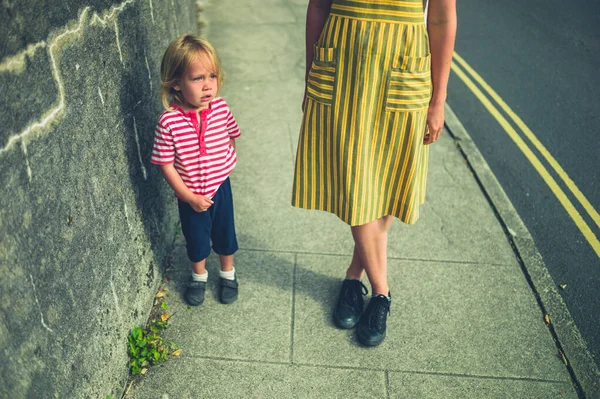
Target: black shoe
350,303
194,295
228,290
372,325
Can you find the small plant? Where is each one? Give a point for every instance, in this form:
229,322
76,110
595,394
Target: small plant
145,346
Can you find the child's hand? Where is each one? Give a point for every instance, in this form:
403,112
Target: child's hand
200,203
232,143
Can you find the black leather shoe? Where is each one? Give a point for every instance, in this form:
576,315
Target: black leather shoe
372,325
194,294
228,290
350,304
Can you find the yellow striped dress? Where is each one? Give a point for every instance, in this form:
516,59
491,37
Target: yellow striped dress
360,153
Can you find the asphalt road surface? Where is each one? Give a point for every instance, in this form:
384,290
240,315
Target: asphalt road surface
543,60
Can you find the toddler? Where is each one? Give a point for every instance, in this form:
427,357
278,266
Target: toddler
194,145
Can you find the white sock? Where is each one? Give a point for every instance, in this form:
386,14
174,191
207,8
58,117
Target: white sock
230,275
200,277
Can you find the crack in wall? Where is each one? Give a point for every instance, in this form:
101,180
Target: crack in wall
115,296
16,64
126,210
108,15
118,43
151,12
148,68
137,141
38,304
53,113
24,148
101,96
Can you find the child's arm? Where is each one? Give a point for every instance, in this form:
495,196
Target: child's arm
199,203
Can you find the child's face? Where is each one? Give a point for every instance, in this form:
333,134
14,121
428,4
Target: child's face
198,85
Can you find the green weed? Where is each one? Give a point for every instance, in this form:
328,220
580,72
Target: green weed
146,347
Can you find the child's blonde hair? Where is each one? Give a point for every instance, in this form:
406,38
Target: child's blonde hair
178,56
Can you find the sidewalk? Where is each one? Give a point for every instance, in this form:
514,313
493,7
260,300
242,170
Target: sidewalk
464,322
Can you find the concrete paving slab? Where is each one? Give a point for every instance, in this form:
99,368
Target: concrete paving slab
454,218
230,379
464,322
256,327
445,318
272,12
267,107
261,52
456,224
447,167
415,386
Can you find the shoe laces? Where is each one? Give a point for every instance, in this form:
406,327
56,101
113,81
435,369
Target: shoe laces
380,308
352,290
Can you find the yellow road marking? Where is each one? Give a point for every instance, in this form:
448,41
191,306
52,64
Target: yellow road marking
540,147
537,164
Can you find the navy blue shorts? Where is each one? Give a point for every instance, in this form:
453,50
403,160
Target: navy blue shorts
215,224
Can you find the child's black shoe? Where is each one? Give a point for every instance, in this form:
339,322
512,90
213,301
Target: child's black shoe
194,294
228,290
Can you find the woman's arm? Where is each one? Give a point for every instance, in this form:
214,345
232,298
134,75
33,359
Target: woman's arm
316,16
441,26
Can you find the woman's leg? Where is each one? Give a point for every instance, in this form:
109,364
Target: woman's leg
356,269
370,253
371,245
369,240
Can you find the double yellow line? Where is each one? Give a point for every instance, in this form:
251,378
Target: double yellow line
535,161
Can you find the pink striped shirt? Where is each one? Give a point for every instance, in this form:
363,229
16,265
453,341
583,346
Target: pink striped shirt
199,149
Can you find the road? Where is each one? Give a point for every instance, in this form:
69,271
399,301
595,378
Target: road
542,59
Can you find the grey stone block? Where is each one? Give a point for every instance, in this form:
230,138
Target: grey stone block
85,221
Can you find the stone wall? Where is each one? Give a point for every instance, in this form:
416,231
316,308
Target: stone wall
86,221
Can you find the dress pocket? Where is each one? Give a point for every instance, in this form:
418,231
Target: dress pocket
409,85
320,83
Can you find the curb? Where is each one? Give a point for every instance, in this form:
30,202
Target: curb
569,342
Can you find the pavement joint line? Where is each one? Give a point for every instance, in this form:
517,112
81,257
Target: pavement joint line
585,375
293,310
466,262
177,271
387,384
380,370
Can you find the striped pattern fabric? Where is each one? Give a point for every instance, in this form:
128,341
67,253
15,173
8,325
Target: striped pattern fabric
360,152
199,149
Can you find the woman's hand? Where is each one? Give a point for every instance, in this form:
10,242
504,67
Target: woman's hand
200,203
435,123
